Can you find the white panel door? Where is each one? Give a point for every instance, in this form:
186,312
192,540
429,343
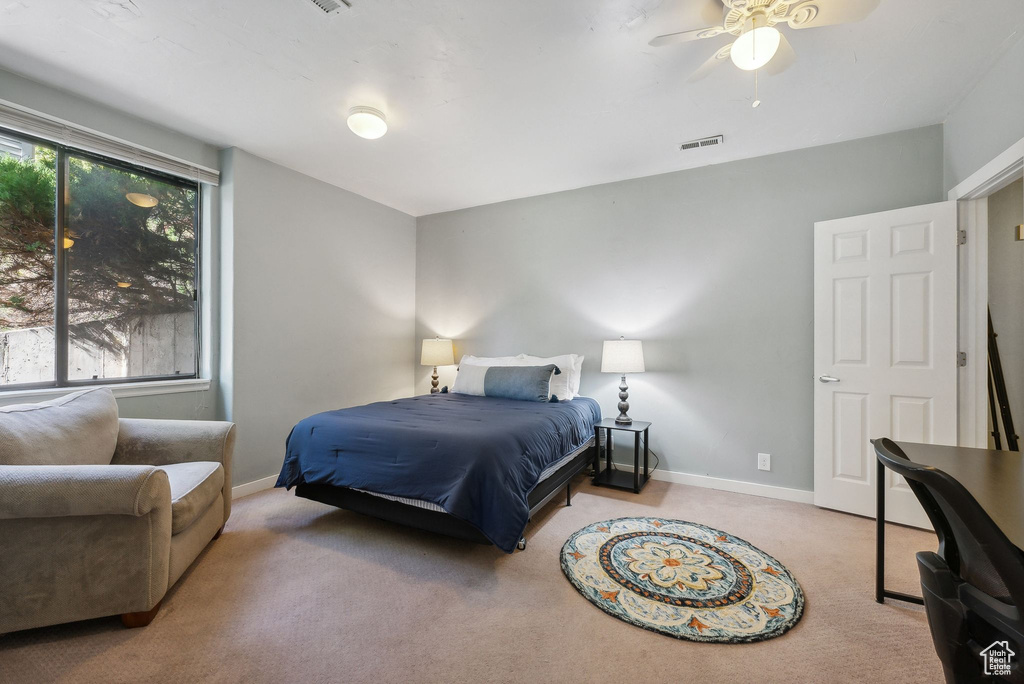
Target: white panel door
885,353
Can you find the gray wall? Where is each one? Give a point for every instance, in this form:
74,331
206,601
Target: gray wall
711,268
319,313
988,120
1006,289
178,406
99,117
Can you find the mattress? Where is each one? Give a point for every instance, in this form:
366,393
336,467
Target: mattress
476,458
431,506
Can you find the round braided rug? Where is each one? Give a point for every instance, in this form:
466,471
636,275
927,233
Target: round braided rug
682,579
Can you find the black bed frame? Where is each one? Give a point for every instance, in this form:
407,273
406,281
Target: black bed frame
443,523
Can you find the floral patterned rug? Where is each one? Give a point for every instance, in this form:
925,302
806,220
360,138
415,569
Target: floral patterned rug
682,579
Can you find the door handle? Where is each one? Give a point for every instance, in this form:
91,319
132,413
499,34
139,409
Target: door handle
827,379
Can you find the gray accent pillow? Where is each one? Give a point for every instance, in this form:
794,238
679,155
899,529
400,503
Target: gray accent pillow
524,383
76,429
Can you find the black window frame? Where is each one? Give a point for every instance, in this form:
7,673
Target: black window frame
61,341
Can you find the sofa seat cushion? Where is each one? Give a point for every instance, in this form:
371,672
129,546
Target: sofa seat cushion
76,429
194,486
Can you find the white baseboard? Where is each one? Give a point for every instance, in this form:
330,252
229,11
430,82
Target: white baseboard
248,488
738,486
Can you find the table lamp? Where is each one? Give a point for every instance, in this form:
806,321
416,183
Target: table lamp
623,356
436,352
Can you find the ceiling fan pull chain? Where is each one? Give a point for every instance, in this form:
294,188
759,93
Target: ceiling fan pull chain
756,103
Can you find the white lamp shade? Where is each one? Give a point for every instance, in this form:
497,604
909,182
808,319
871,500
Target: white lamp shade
756,47
622,356
437,353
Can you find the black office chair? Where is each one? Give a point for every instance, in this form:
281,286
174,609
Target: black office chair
974,586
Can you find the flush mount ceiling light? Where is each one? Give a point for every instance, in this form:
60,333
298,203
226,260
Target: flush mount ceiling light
141,199
367,122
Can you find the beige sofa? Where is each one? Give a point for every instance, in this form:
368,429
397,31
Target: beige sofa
99,515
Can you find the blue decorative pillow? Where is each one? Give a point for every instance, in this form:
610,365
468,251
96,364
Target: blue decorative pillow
525,383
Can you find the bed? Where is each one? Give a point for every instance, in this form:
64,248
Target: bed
473,467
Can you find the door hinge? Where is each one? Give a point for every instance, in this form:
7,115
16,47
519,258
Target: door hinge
961,359
961,237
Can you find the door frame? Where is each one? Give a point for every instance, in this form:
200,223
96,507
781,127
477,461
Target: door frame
972,210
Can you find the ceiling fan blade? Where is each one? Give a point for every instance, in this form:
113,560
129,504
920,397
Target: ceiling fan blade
783,59
814,13
707,67
684,36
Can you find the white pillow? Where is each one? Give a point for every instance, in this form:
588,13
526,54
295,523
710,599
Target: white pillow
488,360
576,374
566,385
470,378
473,382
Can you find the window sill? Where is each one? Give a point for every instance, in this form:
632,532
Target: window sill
124,389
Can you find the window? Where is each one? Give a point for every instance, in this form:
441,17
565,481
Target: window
98,269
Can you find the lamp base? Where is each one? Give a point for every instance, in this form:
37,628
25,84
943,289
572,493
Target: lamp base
623,419
433,382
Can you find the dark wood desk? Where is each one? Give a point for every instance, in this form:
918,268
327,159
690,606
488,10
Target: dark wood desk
994,478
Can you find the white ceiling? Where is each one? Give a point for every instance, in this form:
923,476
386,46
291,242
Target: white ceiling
490,100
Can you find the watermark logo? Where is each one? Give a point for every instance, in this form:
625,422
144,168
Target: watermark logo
997,658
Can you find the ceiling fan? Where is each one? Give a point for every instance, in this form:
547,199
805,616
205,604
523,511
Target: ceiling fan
759,43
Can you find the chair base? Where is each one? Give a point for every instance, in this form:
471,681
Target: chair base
133,620
219,532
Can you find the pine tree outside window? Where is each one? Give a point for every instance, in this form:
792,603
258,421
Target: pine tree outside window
98,269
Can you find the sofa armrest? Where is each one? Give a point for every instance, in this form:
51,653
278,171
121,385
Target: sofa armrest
142,441
50,491
79,542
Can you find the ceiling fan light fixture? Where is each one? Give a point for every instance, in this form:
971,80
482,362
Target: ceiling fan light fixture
367,122
756,46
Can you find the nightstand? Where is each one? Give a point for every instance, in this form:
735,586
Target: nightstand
620,479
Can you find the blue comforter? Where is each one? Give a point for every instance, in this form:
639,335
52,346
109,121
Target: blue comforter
476,457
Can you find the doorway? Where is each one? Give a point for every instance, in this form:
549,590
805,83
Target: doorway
1006,314
989,208
912,363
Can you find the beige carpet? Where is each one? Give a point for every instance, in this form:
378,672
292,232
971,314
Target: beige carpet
296,591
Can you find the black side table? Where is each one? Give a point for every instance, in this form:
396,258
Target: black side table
620,479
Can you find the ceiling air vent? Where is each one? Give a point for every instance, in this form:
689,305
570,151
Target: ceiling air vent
331,6
703,142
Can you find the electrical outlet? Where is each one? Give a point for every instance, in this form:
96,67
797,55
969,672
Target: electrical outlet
764,461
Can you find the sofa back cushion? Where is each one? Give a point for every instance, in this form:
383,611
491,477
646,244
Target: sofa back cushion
77,429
